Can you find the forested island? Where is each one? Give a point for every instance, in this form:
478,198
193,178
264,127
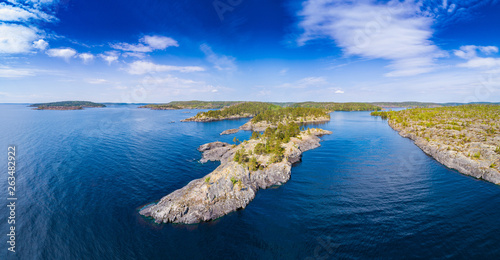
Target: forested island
66,105
332,106
408,104
261,162
264,111
195,104
465,138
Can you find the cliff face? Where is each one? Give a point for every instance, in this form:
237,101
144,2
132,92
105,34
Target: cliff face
457,159
232,185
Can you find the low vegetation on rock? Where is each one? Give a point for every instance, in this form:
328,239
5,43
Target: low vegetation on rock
466,138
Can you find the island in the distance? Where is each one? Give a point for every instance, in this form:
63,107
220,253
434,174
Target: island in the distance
465,138
195,104
66,105
261,162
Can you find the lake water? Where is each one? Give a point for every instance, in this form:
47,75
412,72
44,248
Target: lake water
366,192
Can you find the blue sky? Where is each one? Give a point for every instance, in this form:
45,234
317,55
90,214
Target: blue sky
312,50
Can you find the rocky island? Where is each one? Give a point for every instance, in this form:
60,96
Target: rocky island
263,161
465,138
66,105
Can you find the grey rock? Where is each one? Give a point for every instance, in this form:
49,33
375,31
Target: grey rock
229,187
230,131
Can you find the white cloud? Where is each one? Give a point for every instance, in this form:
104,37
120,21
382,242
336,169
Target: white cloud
110,56
393,31
97,81
10,13
40,44
220,62
147,43
471,52
143,67
174,86
8,72
283,72
480,63
64,53
309,82
339,92
159,42
16,38
86,57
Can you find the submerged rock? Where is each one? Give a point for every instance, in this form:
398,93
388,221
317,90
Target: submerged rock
232,185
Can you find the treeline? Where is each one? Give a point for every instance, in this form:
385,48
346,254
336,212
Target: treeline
290,114
272,141
247,109
409,104
194,104
332,106
68,104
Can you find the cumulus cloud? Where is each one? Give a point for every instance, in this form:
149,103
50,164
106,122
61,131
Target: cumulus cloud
143,67
471,54
16,38
220,62
110,56
339,92
64,53
10,13
471,51
394,31
147,43
40,44
86,57
18,26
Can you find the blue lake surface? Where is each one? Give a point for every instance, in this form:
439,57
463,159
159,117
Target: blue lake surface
366,193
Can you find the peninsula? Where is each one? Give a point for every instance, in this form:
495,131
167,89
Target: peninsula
66,105
261,162
465,138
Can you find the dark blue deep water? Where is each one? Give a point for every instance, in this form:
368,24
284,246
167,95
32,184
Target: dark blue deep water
365,193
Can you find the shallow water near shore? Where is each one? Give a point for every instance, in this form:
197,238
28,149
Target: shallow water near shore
366,192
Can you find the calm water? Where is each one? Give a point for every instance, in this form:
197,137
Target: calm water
365,193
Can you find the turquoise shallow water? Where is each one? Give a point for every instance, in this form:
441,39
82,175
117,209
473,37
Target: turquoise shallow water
365,193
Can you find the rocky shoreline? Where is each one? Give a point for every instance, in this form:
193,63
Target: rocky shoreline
232,185
451,158
212,119
262,126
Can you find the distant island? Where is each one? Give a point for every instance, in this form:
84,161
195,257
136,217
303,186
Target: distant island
195,104
408,104
66,105
259,163
252,109
465,138
333,106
